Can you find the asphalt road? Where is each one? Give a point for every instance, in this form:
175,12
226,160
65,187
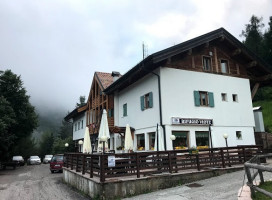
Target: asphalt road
35,182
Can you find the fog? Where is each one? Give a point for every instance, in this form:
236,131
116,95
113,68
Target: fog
57,45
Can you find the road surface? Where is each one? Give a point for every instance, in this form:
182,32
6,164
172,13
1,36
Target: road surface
35,182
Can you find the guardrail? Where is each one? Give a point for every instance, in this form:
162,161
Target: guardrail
105,166
255,163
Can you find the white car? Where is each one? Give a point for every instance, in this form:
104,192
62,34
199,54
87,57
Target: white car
47,158
18,160
34,160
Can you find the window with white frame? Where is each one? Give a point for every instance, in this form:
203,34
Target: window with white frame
203,98
207,63
146,101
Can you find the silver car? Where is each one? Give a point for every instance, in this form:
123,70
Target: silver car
34,160
47,158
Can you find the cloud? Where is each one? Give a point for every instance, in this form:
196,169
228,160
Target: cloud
57,45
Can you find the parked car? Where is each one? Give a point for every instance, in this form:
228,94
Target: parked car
34,160
56,163
19,160
47,158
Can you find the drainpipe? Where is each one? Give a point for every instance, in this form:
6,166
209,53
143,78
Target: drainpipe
163,126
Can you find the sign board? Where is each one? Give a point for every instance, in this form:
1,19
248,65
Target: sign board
192,121
111,161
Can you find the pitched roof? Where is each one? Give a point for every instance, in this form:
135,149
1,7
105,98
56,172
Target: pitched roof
75,112
153,61
105,79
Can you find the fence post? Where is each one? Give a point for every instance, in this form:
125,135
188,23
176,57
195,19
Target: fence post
260,171
102,171
77,155
244,153
170,162
197,162
72,164
249,178
83,164
91,167
222,158
66,160
137,165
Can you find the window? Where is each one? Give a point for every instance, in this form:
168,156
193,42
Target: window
140,142
207,66
146,101
151,137
75,126
239,135
124,110
234,98
181,140
82,124
202,138
224,96
110,113
78,125
203,98
224,66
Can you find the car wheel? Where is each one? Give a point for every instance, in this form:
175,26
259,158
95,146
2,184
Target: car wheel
61,171
52,171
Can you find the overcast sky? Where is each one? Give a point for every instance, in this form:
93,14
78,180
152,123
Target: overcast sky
57,45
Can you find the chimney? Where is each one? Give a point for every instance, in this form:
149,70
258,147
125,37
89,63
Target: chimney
115,75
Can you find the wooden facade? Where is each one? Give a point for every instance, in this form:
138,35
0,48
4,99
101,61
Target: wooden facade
97,101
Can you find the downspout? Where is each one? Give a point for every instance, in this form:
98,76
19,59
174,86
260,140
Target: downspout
163,126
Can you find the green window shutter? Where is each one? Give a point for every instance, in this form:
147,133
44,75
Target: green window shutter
142,103
109,112
150,100
197,98
125,110
211,100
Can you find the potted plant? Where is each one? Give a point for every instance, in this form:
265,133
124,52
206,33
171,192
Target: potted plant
193,150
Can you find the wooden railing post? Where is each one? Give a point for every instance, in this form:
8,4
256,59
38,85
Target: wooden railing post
260,171
91,167
222,157
197,162
244,153
72,164
77,170
83,164
138,165
102,170
250,181
170,162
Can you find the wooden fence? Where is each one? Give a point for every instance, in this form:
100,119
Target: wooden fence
146,163
255,163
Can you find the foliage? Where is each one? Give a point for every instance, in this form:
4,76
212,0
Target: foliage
81,101
46,144
59,145
66,130
26,147
266,186
253,34
18,117
267,44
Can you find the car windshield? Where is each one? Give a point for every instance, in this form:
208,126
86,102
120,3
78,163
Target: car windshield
57,158
48,156
34,157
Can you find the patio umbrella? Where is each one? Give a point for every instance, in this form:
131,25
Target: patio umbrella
128,139
103,131
160,135
87,147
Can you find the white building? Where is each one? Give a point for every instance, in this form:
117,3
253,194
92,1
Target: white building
185,88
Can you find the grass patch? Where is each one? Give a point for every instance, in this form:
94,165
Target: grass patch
266,186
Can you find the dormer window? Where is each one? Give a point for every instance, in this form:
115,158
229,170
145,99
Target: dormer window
224,66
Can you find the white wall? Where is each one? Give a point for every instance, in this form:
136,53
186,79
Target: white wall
177,88
137,118
79,133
